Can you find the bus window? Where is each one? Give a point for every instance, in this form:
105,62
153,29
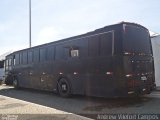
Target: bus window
10,62
14,62
74,53
106,44
30,56
17,59
6,64
42,54
36,55
59,52
81,45
21,58
135,38
50,53
93,46
2,64
24,57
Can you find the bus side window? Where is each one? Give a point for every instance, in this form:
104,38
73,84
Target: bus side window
74,53
42,54
106,44
25,57
14,62
59,52
78,49
21,58
6,64
50,53
17,59
30,56
93,46
36,55
83,47
71,49
10,62
2,64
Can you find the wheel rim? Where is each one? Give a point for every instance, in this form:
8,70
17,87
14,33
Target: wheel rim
64,87
15,83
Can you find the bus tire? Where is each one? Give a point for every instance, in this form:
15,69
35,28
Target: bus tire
7,83
148,91
15,83
64,88
8,80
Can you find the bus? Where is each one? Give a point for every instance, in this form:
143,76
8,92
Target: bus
113,61
1,71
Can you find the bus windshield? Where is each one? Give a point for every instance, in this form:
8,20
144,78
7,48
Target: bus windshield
136,40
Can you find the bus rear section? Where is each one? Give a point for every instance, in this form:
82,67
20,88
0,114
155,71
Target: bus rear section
138,60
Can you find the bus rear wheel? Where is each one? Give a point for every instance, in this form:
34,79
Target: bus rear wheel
64,88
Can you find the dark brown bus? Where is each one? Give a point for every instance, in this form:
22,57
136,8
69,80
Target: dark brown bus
114,61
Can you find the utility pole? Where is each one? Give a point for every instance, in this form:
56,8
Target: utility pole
30,41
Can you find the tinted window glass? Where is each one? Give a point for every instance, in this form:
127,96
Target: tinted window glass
30,56
74,53
42,54
50,53
21,58
25,57
106,44
6,64
14,62
1,64
81,45
36,55
10,62
59,52
136,40
17,59
93,46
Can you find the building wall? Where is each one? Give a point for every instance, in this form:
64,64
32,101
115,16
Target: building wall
156,54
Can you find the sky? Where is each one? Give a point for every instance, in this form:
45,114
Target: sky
53,20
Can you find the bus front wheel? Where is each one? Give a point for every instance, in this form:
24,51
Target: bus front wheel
15,83
64,88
